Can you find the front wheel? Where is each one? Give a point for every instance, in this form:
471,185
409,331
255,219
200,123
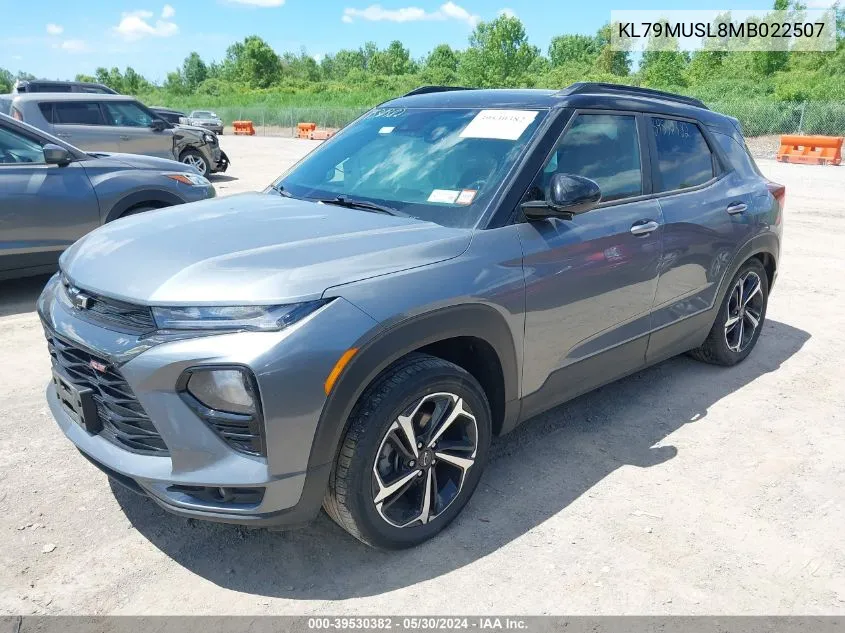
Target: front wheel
740,319
196,160
416,445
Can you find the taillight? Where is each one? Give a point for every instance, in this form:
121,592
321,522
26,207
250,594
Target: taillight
778,193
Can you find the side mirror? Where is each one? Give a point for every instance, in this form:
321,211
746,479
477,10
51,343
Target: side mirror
56,155
159,125
568,195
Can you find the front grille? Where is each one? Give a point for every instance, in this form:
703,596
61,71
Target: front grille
124,420
120,315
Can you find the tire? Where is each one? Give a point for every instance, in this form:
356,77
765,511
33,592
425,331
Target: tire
728,342
426,391
195,159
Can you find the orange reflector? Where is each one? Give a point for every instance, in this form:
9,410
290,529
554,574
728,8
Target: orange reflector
338,368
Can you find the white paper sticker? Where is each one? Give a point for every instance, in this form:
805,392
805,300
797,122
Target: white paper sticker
502,124
466,196
447,196
386,130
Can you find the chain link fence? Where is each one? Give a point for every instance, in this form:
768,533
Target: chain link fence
762,120
283,121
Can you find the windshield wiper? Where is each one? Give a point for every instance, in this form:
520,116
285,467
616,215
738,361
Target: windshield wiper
279,189
343,201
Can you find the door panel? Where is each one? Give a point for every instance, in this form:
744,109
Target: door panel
590,281
589,287
82,123
43,208
131,124
702,234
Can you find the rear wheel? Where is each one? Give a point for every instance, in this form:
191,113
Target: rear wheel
196,160
417,443
137,210
740,320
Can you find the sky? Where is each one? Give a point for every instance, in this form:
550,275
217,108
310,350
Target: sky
61,38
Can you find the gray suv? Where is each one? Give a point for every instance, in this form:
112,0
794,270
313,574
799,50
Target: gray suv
52,193
449,265
115,123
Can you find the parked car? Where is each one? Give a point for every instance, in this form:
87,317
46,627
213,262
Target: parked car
52,193
115,123
449,265
6,103
207,119
174,117
46,85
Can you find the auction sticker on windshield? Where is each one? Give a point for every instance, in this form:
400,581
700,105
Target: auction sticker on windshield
445,196
500,124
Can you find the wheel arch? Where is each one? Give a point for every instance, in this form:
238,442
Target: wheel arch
764,247
151,197
470,336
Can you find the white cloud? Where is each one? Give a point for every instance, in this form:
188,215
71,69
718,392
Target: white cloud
318,57
820,4
259,3
376,13
136,25
167,12
55,29
508,13
75,46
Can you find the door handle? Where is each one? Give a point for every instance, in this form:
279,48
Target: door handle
736,207
644,228
124,138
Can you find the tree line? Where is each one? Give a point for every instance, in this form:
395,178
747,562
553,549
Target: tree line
498,54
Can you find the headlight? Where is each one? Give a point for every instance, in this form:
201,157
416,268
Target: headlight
210,139
252,318
187,178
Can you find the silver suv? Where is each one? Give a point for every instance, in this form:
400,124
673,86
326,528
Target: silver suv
115,123
452,263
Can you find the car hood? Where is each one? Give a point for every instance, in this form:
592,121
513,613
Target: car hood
136,161
251,249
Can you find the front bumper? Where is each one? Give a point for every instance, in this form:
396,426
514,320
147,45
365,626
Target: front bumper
291,388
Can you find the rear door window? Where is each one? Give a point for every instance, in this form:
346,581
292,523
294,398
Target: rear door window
683,157
78,113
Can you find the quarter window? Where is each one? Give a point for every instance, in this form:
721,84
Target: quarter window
77,113
683,157
602,147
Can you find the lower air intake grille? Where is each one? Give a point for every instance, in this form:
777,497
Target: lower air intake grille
124,420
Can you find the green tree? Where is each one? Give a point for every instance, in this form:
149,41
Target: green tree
610,61
194,71
252,62
566,49
441,66
394,60
7,80
499,54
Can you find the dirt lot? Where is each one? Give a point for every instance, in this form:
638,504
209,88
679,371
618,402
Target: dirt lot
683,489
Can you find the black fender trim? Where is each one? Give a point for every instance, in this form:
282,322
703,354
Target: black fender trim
476,320
155,197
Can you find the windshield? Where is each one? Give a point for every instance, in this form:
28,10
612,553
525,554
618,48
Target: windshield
440,165
202,114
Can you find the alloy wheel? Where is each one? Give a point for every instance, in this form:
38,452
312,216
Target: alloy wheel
196,162
423,459
745,311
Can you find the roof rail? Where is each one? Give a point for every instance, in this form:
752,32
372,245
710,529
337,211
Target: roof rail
424,90
582,87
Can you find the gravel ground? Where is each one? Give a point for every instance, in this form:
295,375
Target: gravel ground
684,489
